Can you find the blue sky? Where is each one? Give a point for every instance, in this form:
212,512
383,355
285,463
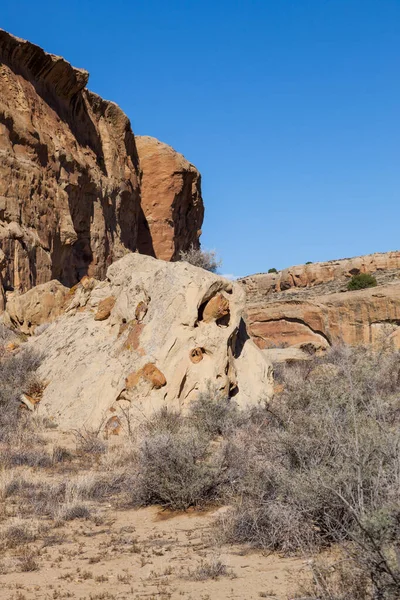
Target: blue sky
289,108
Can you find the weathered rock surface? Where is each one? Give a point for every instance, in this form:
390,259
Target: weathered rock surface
41,304
172,207
309,307
70,195
314,274
118,366
69,172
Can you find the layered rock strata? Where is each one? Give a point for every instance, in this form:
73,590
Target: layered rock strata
309,306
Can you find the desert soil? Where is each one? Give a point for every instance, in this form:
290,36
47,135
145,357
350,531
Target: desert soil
148,553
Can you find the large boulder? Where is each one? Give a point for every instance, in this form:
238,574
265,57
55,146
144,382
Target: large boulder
172,207
154,348
40,305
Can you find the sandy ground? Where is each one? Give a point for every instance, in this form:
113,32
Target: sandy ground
148,553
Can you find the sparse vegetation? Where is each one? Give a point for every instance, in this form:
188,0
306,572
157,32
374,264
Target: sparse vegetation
319,466
209,569
361,282
206,259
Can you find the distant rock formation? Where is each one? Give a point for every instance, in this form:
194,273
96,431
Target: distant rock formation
170,330
309,307
70,178
172,207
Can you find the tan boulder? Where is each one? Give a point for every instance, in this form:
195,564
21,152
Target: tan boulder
104,309
172,206
39,305
153,375
91,369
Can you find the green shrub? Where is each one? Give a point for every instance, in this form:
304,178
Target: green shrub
309,262
273,270
361,282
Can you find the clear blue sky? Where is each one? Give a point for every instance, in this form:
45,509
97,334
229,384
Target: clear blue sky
289,108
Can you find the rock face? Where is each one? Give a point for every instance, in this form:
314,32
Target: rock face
171,200
136,361
70,195
309,306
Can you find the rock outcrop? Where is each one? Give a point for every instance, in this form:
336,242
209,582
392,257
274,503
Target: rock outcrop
154,348
172,207
70,178
308,307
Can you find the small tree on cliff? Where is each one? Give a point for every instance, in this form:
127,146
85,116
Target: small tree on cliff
361,282
206,259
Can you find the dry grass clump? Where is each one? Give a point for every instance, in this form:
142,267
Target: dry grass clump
20,532
209,569
17,375
206,259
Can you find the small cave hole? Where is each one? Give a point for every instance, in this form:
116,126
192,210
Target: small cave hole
224,321
200,312
233,390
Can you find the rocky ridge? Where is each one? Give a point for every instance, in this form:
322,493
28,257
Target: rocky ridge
308,306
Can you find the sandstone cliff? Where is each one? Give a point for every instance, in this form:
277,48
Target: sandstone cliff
308,306
171,200
153,334
70,194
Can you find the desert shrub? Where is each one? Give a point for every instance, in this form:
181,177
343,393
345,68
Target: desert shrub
206,259
273,270
328,457
177,470
89,442
361,282
213,413
164,421
309,262
368,566
17,374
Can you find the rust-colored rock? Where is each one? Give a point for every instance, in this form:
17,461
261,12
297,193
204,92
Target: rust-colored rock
172,206
196,355
313,316
216,308
150,373
132,342
104,309
315,274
